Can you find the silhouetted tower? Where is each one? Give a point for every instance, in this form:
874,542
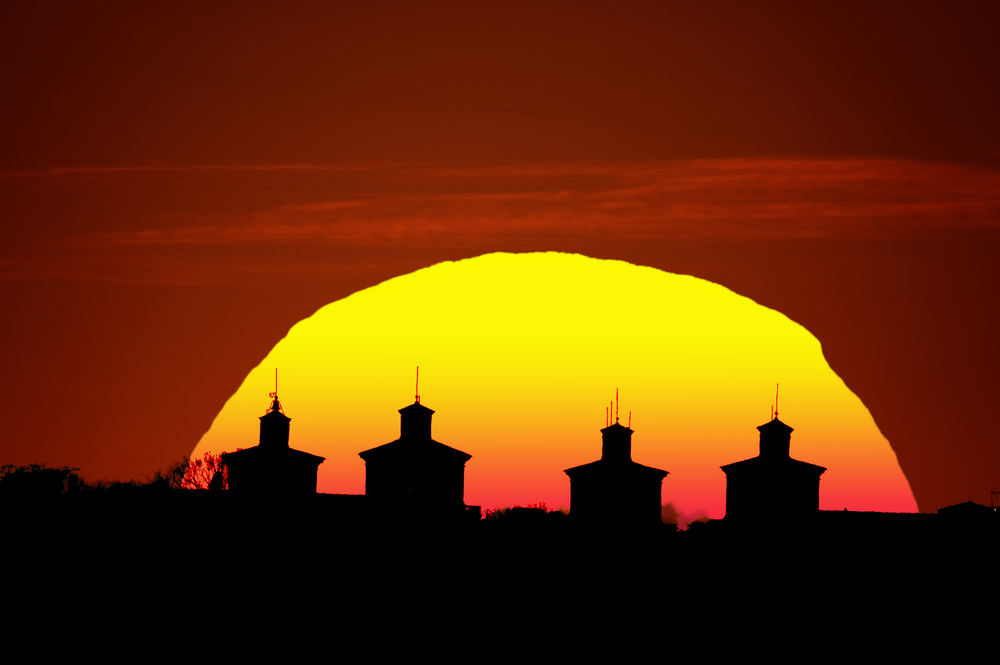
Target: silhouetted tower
772,485
415,473
271,467
614,489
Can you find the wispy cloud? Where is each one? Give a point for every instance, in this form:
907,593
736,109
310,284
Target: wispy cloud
68,171
733,198
202,223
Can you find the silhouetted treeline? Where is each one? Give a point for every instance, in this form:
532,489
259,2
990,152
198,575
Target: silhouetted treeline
148,548
39,495
48,514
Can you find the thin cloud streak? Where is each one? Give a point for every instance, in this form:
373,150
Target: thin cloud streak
710,199
165,225
70,171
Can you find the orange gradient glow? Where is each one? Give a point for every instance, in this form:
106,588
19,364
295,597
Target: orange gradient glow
520,354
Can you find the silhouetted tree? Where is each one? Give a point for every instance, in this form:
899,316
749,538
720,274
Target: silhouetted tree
191,474
173,477
37,480
205,473
531,511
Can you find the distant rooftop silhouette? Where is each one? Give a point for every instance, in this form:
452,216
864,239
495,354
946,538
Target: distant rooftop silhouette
415,471
272,467
772,484
614,489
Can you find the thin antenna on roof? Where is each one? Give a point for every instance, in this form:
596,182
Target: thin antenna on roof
616,405
630,419
416,387
775,401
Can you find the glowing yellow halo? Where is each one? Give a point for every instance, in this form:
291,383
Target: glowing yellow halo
521,353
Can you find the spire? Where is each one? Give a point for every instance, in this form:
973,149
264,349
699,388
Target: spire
775,436
274,423
275,404
616,438
415,419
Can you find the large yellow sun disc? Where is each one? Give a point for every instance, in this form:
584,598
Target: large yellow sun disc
520,355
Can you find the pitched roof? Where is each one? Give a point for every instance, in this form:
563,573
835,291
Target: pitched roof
414,448
258,453
758,462
416,406
966,508
602,466
775,424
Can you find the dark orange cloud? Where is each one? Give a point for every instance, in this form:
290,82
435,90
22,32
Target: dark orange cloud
209,224
737,198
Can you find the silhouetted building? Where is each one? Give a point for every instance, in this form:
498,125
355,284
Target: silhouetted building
271,467
614,489
970,511
415,472
772,485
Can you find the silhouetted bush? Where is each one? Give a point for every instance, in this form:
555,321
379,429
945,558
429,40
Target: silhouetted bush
205,473
173,477
520,513
38,480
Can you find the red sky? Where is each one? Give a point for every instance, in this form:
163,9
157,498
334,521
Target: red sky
180,184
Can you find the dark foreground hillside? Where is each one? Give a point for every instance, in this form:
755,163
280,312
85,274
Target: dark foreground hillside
202,546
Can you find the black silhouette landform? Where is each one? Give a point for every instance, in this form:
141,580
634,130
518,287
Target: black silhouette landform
265,524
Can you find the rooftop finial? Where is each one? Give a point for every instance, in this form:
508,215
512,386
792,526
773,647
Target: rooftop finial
275,404
417,386
630,419
775,401
616,405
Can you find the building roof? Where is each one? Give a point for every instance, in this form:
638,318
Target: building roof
966,508
617,427
416,406
274,414
776,425
415,440
603,466
758,462
414,448
258,453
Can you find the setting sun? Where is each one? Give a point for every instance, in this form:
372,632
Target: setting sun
520,356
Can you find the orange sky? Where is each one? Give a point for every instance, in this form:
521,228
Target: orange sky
181,183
